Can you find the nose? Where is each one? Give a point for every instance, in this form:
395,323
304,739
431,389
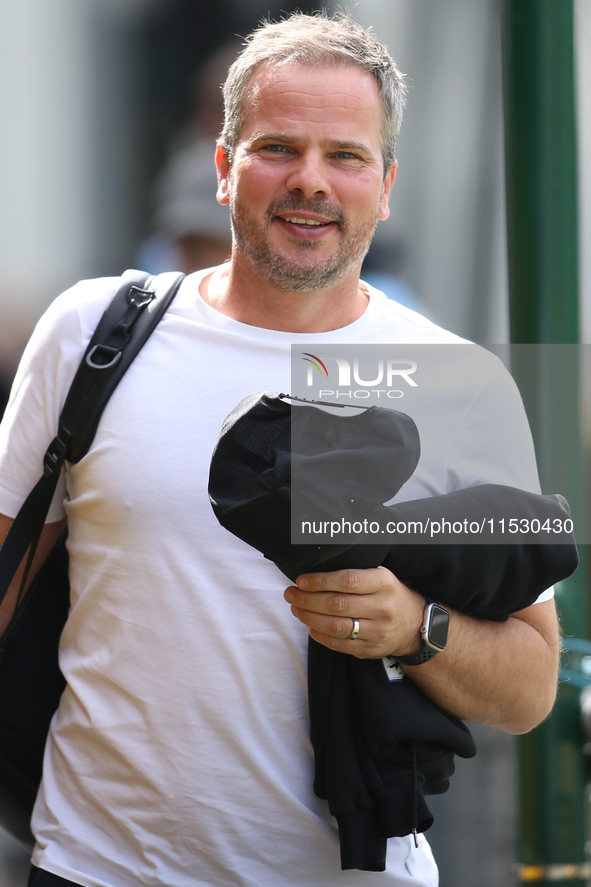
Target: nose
308,176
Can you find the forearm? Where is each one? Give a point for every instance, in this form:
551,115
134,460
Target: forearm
49,537
503,674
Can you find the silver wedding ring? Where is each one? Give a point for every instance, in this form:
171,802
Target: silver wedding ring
355,631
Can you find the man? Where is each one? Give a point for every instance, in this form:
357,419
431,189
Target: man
180,752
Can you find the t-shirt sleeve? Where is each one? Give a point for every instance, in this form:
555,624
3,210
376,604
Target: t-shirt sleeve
494,443
40,386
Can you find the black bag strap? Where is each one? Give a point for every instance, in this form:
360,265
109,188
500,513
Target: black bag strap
130,318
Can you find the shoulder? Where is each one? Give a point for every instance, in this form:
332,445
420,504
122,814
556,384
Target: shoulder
58,342
467,401
78,310
468,368
40,387
401,324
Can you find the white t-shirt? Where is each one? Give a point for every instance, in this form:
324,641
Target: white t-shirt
180,752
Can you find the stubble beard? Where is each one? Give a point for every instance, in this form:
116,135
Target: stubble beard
252,241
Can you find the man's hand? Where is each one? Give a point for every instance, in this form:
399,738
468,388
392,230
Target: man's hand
390,614
503,674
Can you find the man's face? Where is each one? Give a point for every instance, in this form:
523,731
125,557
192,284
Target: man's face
306,187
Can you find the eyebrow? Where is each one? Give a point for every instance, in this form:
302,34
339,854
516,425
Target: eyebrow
291,140
348,146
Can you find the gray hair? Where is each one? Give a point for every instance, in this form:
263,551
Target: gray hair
317,39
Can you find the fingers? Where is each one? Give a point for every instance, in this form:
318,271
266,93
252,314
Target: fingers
366,581
331,604
343,593
369,643
338,627
332,616
359,648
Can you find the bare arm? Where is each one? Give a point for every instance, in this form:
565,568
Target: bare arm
503,674
49,537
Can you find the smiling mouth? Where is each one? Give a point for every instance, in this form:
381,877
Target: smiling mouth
312,223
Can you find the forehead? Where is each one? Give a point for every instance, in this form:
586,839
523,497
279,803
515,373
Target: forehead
328,99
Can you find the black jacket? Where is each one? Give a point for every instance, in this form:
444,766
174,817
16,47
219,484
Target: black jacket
379,746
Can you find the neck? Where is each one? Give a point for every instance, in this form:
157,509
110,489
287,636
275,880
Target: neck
239,292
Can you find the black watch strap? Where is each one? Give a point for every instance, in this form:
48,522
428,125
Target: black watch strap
423,655
430,647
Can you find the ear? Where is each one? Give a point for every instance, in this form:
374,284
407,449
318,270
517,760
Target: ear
386,188
223,169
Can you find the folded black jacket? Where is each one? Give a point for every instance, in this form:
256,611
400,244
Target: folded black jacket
379,746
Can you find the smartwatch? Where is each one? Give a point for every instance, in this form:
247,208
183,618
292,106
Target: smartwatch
433,634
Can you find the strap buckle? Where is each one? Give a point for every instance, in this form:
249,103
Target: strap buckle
139,297
54,457
107,351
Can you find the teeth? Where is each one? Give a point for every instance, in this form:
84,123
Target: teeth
296,221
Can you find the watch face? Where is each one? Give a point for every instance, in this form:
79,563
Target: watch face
437,627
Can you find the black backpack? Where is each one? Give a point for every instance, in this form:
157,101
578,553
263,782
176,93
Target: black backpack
30,680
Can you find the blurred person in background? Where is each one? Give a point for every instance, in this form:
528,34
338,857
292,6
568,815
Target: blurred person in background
382,269
191,229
